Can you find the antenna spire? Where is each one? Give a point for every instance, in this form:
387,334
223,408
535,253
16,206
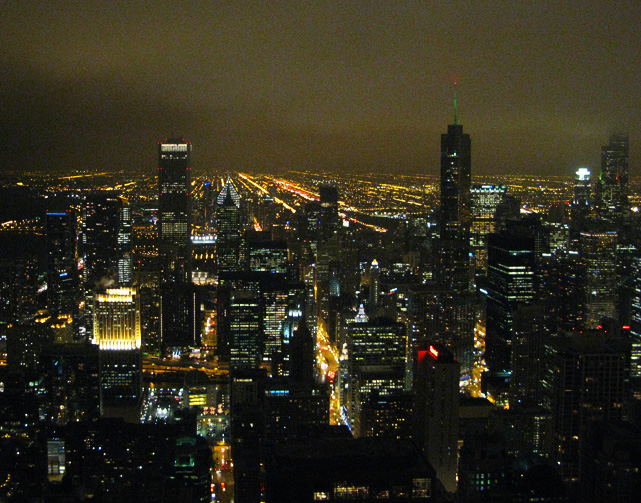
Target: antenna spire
455,106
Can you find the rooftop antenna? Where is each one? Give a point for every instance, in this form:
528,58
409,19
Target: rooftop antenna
455,106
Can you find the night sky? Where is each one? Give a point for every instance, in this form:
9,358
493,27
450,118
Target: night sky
352,86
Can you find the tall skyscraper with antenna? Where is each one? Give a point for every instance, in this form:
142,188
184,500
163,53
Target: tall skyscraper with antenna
454,273
455,216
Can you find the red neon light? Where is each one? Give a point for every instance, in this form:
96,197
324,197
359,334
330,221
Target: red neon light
434,352
421,355
626,327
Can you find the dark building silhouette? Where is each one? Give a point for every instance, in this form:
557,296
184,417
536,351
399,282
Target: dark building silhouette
454,272
118,461
613,186
71,380
587,380
21,264
330,221
455,209
337,468
511,282
527,352
62,265
611,462
177,323
436,389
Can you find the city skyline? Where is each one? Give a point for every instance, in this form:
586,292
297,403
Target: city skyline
336,86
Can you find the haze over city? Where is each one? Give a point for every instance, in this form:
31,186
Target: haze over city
342,86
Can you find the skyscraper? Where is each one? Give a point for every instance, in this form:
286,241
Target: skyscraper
230,229
117,333
511,282
62,263
612,188
177,299
587,379
581,205
455,217
454,272
598,252
174,208
436,391
376,359
100,246
484,201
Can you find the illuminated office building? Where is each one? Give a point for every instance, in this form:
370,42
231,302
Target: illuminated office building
266,255
125,255
376,355
246,337
635,325
484,201
117,333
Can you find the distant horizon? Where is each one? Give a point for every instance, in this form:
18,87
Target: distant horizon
345,86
